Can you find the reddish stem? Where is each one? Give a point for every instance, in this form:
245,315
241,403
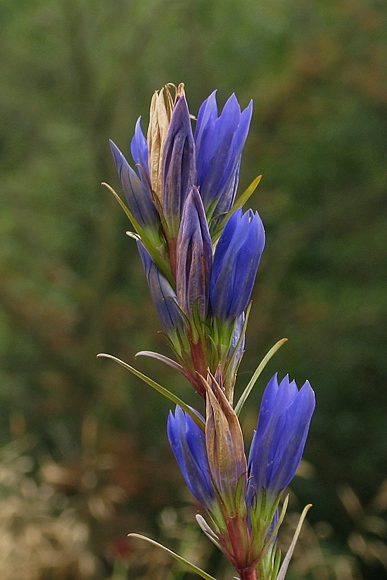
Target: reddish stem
248,575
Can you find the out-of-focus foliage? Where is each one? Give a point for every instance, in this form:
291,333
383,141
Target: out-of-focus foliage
76,72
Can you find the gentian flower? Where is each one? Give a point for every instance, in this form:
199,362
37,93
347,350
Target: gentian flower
243,501
184,186
219,143
163,295
194,257
235,265
188,444
279,440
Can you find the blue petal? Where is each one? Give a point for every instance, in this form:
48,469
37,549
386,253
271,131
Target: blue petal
219,143
279,441
235,266
137,194
292,443
139,150
187,441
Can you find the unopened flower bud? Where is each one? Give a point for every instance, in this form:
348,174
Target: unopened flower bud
137,193
194,257
163,295
225,447
179,170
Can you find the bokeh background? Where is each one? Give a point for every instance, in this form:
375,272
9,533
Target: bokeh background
84,457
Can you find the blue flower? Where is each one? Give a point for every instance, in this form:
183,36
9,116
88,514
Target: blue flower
219,143
188,444
194,257
163,295
235,265
279,440
137,191
179,172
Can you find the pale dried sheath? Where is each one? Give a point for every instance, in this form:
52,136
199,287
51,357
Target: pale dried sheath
159,119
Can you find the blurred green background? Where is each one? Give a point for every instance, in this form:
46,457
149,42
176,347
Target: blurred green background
84,458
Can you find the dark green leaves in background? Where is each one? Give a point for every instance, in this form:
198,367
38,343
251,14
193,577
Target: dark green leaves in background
77,72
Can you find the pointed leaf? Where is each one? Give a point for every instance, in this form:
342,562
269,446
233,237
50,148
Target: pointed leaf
165,359
257,373
180,559
208,531
158,388
144,237
285,563
239,203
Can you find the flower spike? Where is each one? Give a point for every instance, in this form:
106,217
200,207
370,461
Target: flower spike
201,254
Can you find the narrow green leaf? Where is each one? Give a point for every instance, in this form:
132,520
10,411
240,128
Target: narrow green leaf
180,559
128,213
240,202
257,373
285,563
144,238
158,388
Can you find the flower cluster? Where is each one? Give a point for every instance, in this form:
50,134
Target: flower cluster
201,254
241,497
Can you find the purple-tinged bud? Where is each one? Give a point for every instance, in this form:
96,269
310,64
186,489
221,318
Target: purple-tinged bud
163,295
219,143
279,440
137,192
179,171
235,265
193,257
187,441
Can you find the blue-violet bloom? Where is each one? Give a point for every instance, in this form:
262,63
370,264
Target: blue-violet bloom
188,444
219,143
139,151
235,265
279,440
137,192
